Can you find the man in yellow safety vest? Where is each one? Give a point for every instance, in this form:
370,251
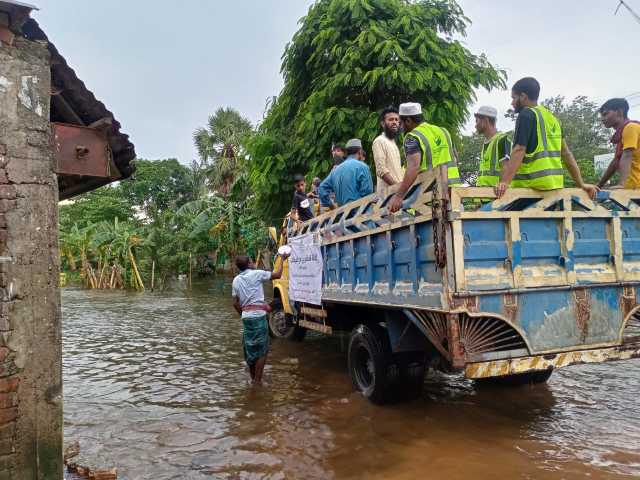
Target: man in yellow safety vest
539,151
495,150
426,146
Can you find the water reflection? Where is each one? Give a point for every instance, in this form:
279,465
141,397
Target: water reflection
156,384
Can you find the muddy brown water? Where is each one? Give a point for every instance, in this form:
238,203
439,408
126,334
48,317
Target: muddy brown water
155,384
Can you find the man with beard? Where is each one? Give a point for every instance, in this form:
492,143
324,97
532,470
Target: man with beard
626,138
337,154
495,149
539,151
386,154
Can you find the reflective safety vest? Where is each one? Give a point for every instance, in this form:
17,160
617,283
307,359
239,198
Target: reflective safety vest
542,169
437,149
490,157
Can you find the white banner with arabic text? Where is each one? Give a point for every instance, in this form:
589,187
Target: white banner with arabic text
305,270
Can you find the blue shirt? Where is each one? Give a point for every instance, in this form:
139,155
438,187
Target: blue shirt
351,180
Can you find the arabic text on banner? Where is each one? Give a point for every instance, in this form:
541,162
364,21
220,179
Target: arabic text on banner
305,270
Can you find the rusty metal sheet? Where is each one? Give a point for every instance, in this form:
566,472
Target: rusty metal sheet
512,366
81,151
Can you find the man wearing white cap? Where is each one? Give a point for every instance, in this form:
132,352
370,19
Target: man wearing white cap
495,150
351,180
426,146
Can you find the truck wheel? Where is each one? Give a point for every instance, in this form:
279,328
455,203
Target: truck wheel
529,378
281,324
370,363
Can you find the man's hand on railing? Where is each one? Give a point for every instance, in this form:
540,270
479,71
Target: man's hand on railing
592,190
500,189
396,203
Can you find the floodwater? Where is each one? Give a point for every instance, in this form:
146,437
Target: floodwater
155,385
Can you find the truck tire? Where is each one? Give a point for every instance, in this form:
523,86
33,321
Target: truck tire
371,366
518,379
281,324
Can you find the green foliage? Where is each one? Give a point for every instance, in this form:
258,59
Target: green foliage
350,59
179,221
157,185
469,157
105,204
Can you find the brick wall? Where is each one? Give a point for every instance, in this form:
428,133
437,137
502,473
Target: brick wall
30,336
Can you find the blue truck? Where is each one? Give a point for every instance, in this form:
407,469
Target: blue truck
504,289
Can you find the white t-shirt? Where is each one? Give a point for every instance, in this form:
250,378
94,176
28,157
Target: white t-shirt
247,286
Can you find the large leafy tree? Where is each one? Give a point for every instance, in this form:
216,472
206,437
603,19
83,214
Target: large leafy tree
350,59
104,204
219,145
157,185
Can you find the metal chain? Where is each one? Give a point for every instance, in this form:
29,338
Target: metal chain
436,235
438,220
441,259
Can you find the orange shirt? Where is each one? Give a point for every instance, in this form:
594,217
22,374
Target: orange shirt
631,140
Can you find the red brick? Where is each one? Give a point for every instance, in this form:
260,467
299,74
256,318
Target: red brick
7,191
7,205
9,384
8,400
4,351
8,415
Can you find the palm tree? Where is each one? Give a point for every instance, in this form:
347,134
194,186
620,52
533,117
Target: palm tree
219,147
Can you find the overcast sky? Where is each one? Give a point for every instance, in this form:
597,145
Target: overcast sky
162,67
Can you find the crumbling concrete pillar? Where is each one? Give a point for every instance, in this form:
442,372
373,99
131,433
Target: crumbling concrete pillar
30,334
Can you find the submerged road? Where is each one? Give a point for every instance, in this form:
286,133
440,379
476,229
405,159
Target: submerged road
155,384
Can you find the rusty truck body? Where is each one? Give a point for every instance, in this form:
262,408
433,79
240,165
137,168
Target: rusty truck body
508,288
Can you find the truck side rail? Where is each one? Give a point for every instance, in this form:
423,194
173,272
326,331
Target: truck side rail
370,214
533,239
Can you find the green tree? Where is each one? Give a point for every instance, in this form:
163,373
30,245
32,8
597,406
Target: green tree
219,145
157,185
350,59
469,157
104,204
583,131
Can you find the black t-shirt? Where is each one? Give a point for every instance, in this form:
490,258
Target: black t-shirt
526,130
303,205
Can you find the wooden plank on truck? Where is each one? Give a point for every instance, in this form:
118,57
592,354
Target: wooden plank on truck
318,327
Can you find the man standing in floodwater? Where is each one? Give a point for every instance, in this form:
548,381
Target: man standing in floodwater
248,300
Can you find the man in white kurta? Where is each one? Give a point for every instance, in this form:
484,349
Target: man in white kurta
386,153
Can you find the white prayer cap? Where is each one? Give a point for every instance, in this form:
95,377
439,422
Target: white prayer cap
486,111
354,142
410,109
